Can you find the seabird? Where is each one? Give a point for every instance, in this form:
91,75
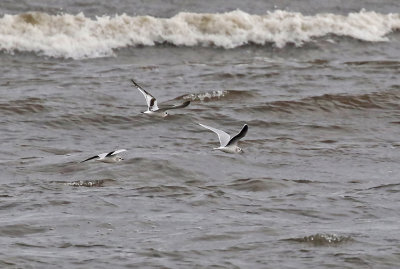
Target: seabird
228,144
152,107
110,157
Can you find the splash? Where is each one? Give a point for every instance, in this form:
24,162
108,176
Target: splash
323,239
78,36
206,96
86,183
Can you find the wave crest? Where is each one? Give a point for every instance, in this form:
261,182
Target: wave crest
334,102
323,239
78,36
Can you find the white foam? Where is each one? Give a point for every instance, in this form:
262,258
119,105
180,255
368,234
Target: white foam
206,95
78,36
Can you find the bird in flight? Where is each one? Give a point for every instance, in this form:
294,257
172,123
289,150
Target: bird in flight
228,144
152,106
110,157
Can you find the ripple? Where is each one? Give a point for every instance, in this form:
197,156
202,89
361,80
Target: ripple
215,237
167,190
68,120
24,106
255,185
17,230
88,183
332,102
388,187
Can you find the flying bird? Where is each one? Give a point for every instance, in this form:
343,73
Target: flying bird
228,144
110,157
152,107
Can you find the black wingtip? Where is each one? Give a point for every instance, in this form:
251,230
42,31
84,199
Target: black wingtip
88,159
134,83
182,105
110,153
245,128
239,136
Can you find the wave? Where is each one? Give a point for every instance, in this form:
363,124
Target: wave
87,183
18,230
205,96
388,99
78,36
214,95
323,239
88,119
256,184
23,106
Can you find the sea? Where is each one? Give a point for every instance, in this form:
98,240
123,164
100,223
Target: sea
316,81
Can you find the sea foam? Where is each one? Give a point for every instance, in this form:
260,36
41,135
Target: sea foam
78,36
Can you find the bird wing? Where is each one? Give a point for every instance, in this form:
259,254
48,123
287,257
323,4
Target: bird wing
102,155
239,136
223,137
91,158
115,152
184,104
150,99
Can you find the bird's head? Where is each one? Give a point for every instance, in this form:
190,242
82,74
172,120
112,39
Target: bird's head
239,150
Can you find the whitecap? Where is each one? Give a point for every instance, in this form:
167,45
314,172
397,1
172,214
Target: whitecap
78,36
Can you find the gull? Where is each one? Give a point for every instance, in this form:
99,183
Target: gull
228,144
152,107
110,157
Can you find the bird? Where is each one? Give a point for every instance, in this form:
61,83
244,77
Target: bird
152,107
110,157
228,144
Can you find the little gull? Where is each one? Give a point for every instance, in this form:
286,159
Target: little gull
228,144
110,157
152,107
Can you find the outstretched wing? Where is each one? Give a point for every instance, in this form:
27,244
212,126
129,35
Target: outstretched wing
223,137
115,152
184,104
239,136
91,158
150,99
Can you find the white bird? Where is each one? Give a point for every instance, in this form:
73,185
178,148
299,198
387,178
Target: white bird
152,107
228,144
110,157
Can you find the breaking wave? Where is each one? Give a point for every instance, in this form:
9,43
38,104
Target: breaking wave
78,36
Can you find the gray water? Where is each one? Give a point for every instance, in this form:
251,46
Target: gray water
317,186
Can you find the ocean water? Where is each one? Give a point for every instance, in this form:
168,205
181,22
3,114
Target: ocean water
316,81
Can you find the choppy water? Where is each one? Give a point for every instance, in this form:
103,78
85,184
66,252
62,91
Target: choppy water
317,186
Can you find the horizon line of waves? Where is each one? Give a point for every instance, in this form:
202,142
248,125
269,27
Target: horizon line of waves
77,36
